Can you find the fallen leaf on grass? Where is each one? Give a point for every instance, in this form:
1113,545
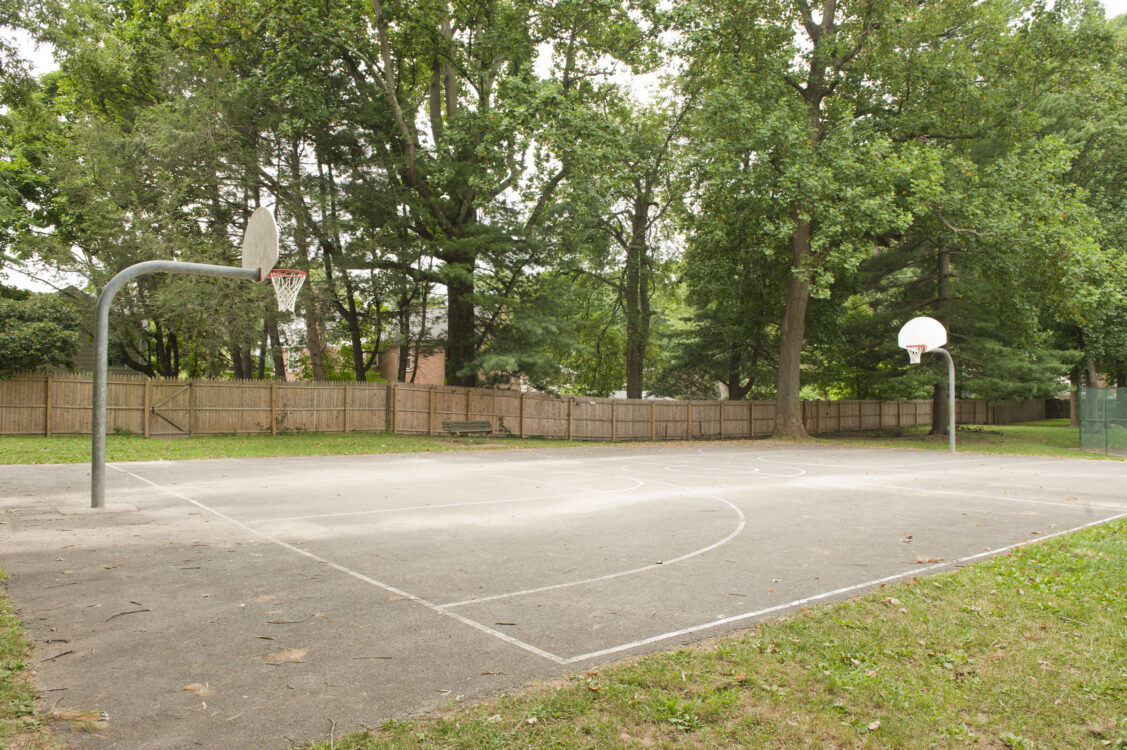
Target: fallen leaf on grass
200,690
874,725
286,655
892,601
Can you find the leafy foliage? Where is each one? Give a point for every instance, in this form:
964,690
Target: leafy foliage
38,332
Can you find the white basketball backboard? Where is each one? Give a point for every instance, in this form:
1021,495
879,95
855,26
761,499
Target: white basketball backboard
923,331
260,243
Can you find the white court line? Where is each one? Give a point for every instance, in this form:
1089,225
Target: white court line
471,503
828,594
929,491
354,574
844,464
665,564
440,609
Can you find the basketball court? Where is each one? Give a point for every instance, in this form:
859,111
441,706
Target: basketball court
296,596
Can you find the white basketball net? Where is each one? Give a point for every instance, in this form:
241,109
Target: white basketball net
287,283
914,352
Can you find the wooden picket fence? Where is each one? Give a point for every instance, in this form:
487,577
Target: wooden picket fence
60,404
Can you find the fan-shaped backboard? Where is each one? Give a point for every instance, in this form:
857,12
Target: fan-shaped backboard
260,242
923,330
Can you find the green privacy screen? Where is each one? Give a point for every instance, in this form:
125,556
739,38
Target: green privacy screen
1103,420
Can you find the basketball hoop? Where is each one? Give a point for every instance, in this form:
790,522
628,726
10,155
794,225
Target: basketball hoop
914,352
287,282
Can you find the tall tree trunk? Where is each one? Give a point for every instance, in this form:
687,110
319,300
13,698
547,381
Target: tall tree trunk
276,347
237,362
262,350
1074,398
788,406
313,336
939,419
461,331
636,301
311,308
359,367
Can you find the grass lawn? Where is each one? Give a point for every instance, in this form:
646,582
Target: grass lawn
1021,651
20,719
1050,437
71,449
1047,438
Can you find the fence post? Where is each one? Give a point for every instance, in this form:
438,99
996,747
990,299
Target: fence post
273,408
570,415
394,409
47,405
720,404
430,411
469,395
147,406
522,413
653,421
191,407
347,388
613,421
688,420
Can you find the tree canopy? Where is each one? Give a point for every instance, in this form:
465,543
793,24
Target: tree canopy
486,177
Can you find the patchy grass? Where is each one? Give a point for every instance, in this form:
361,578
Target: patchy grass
1047,438
69,449
21,723
1021,651
1050,437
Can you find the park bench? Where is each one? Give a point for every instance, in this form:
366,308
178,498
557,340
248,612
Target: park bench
469,427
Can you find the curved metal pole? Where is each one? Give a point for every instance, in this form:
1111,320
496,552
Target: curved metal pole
950,395
101,351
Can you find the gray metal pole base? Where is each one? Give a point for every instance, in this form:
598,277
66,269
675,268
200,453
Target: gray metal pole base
101,351
950,395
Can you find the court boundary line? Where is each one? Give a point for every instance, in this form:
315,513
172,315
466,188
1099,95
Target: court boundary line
740,526
563,661
505,637
828,594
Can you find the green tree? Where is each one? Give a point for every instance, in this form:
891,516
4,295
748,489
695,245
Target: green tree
838,142
36,332
617,208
